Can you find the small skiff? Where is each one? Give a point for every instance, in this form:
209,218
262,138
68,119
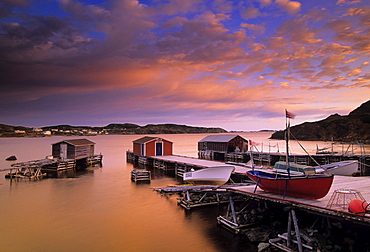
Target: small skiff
216,175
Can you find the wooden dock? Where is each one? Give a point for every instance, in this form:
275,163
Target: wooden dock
343,190
343,187
140,175
24,173
41,168
172,163
247,203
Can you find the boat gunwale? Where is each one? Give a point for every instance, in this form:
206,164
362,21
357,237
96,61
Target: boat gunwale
279,176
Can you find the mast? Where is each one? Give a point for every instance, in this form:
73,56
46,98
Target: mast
288,116
287,134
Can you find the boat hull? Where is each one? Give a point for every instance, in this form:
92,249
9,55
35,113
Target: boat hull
343,168
209,176
312,186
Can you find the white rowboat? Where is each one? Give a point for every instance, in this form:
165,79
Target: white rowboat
344,168
217,175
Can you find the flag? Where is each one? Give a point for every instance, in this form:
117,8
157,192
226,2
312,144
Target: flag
289,115
252,143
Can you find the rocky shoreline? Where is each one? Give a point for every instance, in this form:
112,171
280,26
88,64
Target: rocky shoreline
322,234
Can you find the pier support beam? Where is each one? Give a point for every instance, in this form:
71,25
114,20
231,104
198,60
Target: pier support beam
231,220
292,219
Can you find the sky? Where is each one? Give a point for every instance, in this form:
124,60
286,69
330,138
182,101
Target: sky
231,64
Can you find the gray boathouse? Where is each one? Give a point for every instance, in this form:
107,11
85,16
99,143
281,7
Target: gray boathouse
219,147
73,149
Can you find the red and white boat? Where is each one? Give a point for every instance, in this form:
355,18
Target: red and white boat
217,175
305,186
313,186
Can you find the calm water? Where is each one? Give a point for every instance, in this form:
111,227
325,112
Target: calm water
102,210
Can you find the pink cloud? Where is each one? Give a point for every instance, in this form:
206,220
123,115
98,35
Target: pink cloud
223,6
258,29
291,7
250,13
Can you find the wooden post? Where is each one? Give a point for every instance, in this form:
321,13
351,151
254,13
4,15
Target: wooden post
293,217
187,195
297,233
232,208
289,235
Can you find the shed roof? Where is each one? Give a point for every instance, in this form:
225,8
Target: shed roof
148,139
218,138
77,142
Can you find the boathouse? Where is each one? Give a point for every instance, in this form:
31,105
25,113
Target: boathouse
152,146
218,146
73,149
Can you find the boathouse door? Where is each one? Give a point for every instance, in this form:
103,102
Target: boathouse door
142,150
158,149
63,151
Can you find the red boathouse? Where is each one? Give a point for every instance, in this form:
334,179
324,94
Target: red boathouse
152,146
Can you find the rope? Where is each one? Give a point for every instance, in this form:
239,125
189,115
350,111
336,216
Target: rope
305,150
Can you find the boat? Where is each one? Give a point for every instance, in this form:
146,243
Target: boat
344,168
295,169
326,150
303,186
312,186
215,175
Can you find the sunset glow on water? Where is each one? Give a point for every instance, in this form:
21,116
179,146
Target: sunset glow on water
101,209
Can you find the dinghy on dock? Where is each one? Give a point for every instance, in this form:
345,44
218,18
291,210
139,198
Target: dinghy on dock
217,175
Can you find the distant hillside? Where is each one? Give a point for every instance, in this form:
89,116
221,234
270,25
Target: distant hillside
114,128
11,131
129,128
353,127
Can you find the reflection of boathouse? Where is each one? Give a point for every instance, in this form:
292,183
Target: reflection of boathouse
222,147
152,146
